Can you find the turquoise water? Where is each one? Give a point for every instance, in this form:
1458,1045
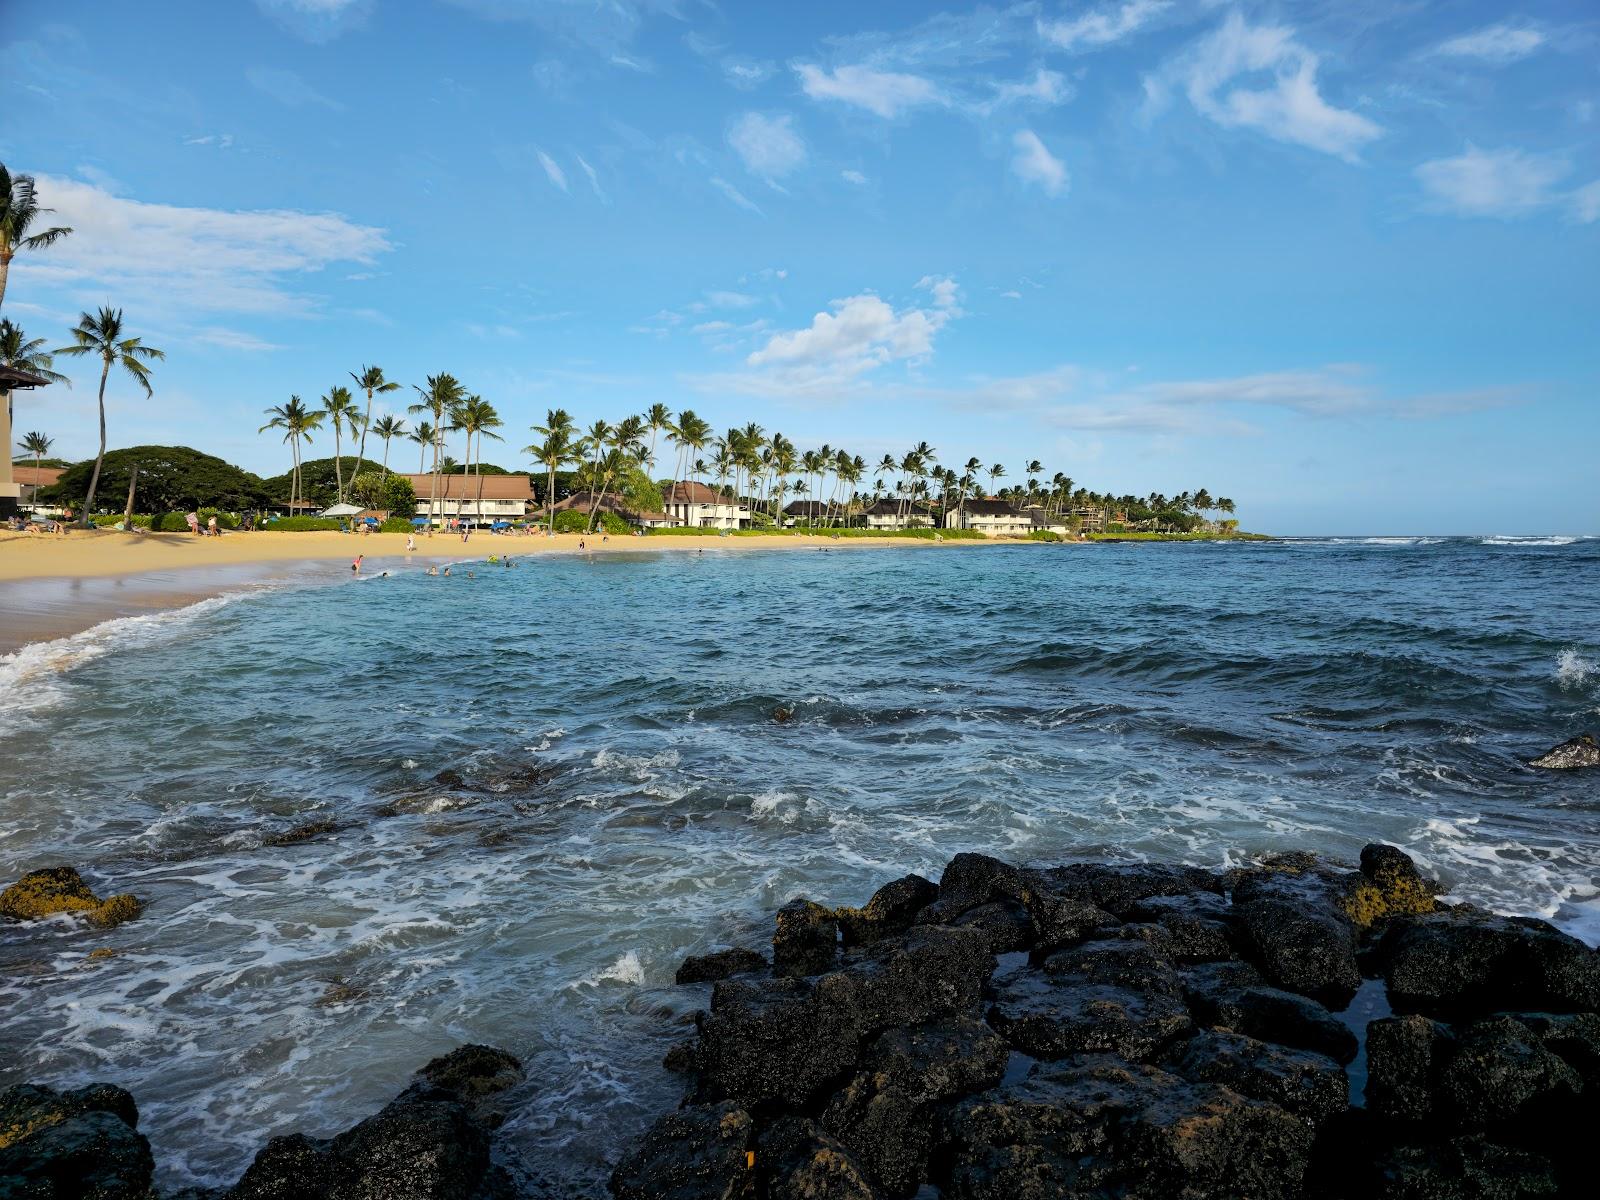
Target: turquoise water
552,782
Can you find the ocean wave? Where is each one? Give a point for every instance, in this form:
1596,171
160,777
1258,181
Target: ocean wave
1508,540
1401,541
31,678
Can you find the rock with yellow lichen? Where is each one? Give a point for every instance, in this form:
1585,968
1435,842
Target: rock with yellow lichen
80,1143
61,890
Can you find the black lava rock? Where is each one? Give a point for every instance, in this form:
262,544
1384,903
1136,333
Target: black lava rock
723,964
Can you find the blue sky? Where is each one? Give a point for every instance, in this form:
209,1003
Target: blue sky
1337,262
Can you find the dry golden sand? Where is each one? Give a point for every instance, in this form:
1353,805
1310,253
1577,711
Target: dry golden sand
51,586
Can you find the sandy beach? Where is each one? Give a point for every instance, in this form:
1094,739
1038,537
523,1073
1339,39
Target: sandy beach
54,586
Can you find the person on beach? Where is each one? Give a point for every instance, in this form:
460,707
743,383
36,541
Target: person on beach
581,546
211,526
193,520
355,564
411,541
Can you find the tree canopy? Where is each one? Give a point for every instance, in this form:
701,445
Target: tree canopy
170,478
317,482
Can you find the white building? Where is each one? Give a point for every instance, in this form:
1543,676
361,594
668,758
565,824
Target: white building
889,515
995,518
696,506
472,499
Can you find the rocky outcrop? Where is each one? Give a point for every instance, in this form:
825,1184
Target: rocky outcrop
1578,752
723,964
1149,1032
431,1142
65,1145
62,890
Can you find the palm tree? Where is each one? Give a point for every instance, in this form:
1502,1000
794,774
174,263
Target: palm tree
657,417
626,441
101,334
998,471
38,445
557,448
297,421
388,428
478,418
440,399
424,436
17,350
340,407
19,208
371,381
1032,471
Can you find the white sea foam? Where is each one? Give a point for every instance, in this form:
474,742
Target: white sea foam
627,969
1574,671
1401,541
31,678
1508,540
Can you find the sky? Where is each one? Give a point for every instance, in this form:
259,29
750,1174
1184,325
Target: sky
1337,262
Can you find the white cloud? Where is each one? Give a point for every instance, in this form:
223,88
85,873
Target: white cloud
1033,163
1046,87
712,327
769,145
232,339
1290,108
317,20
1492,183
887,93
287,88
177,259
1013,295
553,170
1498,44
857,335
855,177
746,73
594,180
1104,26
734,194
730,300
1586,203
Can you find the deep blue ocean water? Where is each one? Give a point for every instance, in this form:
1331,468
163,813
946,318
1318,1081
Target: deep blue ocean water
552,782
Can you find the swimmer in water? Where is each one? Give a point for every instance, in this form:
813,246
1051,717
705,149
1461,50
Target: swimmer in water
447,571
355,564
432,571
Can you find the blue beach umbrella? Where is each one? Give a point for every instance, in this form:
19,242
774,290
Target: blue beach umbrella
419,520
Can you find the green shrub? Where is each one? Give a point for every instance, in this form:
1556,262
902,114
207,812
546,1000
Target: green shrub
301,524
225,520
397,525
1044,535
572,520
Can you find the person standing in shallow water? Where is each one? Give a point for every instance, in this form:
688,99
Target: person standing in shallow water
355,564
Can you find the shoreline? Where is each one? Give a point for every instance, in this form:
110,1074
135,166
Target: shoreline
52,588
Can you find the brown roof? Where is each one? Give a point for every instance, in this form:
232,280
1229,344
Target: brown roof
36,476
582,501
465,487
13,377
993,508
694,492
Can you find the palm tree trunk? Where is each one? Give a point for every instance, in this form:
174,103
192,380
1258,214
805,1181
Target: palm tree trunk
338,464
385,458
361,452
94,478
127,512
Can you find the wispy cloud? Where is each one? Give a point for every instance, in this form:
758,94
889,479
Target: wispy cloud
734,194
176,259
886,93
852,176
1033,163
287,88
1497,44
1103,26
594,179
769,146
317,20
1495,183
552,170
1288,106
1044,88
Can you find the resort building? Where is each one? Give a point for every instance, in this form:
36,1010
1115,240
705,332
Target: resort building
583,502
472,499
1042,520
805,513
996,518
888,515
29,480
697,506
11,379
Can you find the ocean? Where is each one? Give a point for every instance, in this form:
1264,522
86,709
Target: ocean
551,782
